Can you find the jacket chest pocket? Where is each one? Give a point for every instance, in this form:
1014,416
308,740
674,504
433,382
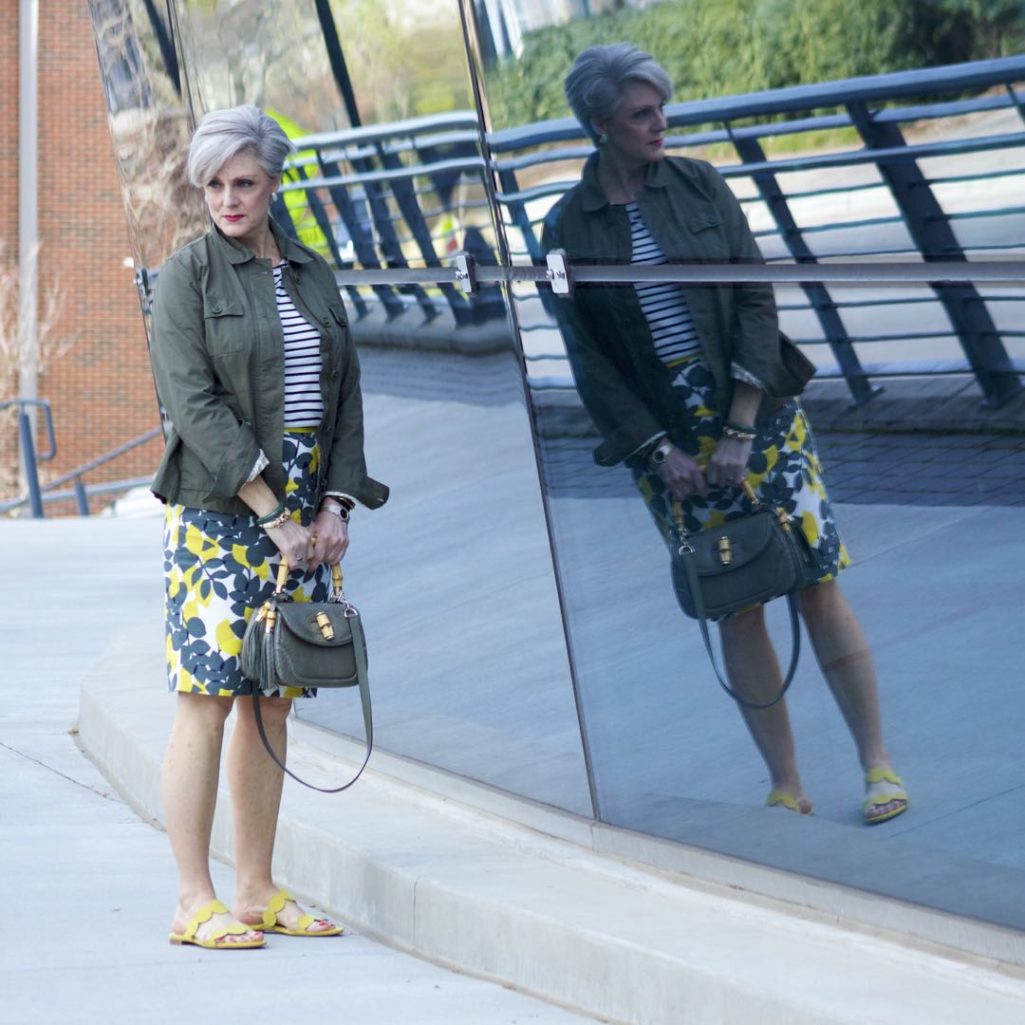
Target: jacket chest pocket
707,237
223,321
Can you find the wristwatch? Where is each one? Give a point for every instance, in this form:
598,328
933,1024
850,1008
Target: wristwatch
337,508
660,452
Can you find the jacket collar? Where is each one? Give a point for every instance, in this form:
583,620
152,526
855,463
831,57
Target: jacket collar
236,252
592,195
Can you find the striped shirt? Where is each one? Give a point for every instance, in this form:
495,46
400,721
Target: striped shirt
663,303
304,404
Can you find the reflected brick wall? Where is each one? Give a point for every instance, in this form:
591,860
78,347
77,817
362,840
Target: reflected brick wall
99,385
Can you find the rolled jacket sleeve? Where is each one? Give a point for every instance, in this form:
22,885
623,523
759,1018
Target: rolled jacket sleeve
188,387
347,467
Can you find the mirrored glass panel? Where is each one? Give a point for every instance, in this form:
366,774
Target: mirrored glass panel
149,126
454,576
918,159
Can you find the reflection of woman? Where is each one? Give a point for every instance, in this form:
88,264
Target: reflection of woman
256,369
688,386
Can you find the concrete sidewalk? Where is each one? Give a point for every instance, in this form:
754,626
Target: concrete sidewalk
421,868
91,886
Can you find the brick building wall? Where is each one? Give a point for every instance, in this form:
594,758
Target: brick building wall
100,386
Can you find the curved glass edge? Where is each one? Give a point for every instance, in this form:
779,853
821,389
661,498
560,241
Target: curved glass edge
453,577
669,754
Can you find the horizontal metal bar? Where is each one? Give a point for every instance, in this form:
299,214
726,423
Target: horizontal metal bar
70,496
994,271
398,174
951,78
429,124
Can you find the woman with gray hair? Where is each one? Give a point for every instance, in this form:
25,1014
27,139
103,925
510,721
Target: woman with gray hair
694,388
257,373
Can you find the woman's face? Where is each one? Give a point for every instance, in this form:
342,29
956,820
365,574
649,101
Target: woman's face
238,197
636,131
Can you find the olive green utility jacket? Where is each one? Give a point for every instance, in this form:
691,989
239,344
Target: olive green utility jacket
694,218
217,351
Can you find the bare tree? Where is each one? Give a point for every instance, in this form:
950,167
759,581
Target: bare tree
50,347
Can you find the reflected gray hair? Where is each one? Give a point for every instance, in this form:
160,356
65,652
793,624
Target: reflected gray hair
223,134
594,85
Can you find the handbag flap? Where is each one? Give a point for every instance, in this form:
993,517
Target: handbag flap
301,620
734,544
304,656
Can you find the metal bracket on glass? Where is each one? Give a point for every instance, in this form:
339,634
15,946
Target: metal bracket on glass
558,273
466,273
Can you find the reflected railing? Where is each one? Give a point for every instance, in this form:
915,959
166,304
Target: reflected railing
401,195
895,192
409,194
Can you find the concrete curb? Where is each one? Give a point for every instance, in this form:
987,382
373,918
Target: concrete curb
552,918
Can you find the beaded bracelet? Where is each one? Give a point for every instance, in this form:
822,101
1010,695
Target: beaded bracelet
279,521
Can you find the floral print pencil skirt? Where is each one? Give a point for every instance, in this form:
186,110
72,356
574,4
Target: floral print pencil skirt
784,470
218,569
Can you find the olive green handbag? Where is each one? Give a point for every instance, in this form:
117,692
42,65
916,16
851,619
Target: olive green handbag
738,564
311,645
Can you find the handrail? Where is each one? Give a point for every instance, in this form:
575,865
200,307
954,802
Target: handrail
949,78
38,496
379,200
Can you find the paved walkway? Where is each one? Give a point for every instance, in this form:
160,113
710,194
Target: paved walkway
862,468
91,887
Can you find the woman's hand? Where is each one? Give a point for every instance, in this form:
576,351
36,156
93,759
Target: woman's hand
682,475
728,466
294,543
330,538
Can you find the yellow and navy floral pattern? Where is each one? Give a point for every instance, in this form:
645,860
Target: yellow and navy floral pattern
784,470
218,569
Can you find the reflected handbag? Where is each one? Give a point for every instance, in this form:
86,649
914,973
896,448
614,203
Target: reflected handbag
741,563
307,644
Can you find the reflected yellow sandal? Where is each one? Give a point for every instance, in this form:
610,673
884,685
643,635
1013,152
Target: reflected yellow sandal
871,808
277,905
783,798
215,941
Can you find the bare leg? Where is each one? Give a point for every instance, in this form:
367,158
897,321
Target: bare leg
844,655
189,784
256,784
753,671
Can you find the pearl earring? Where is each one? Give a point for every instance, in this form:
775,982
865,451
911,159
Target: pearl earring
602,139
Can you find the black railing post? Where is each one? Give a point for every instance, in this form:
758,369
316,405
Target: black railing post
81,498
930,228
360,233
751,152
28,455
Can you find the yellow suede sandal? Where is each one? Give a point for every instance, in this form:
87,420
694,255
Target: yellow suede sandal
874,808
277,905
216,940
779,798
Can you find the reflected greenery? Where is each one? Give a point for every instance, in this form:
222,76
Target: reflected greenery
738,46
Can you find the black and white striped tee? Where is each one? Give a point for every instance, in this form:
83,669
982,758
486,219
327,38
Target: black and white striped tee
663,303
304,405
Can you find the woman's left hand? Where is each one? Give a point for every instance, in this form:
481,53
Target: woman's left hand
330,539
728,466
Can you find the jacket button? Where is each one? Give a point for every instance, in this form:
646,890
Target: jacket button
215,308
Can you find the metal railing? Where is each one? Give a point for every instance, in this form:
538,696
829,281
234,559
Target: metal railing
884,162
381,203
38,496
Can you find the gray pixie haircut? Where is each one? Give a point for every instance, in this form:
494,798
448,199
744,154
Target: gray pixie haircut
223,134
594,85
